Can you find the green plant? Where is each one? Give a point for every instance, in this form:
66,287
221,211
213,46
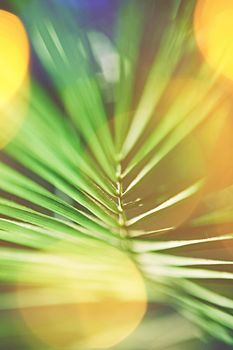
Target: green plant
77,182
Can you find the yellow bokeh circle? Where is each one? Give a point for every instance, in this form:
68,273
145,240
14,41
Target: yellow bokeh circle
14,63
82,300
213,25
14,55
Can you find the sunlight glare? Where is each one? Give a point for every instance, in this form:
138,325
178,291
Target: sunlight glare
213,27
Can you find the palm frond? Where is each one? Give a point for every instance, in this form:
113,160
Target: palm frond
96,189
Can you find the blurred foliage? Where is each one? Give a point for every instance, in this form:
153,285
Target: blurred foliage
129,150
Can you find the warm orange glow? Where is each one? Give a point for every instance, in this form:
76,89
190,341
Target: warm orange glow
213,24
14,55
14,62
93,303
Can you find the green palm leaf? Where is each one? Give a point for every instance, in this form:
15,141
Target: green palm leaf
77,184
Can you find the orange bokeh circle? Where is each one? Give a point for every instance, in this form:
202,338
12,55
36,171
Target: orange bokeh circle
213,27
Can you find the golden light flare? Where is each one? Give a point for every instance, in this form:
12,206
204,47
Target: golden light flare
14,63
213,26
84,299
183,102
14,55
